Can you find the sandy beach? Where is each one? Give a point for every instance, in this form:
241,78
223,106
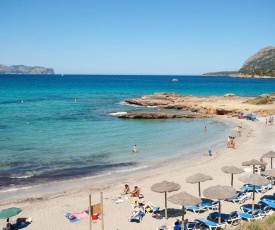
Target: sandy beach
48,209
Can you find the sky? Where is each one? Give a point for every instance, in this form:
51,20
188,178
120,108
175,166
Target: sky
171,37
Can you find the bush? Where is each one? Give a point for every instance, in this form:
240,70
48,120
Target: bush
270,220
256,225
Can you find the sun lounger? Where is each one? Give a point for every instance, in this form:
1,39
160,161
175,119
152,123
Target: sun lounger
267,208
258,189
195,208
232,218
137,218
240,197
209,204
250,217
268,198
247,208
209,224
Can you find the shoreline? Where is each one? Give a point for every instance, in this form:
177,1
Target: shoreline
256,140
57,186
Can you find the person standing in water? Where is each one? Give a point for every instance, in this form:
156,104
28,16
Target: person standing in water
205,129
210,151
135,148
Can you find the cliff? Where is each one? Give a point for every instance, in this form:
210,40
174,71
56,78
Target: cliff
21,69
261,64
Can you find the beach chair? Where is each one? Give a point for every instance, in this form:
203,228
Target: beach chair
250,217
258,189
232,218
240,197
267,208
209,224
247,208
195,208
268,198
209,204
137,218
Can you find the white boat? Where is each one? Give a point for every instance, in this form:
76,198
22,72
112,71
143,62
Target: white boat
174,79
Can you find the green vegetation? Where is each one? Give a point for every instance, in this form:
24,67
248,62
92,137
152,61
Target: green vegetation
262,100
267,224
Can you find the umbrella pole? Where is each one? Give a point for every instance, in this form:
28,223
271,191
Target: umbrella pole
231,179
182,214
219,211
199,189
253,169
271,162
253,198
166,205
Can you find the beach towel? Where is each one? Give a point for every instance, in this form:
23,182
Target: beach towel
81,215
117,201
72,218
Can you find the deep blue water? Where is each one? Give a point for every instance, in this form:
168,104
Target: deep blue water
59,127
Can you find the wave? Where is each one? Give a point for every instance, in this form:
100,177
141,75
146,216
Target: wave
133,169
117,113
128,104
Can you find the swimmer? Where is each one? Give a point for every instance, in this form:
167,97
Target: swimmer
135,149
205,129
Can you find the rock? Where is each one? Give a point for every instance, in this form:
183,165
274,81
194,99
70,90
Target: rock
157,115
229,95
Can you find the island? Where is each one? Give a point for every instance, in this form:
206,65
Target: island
21,69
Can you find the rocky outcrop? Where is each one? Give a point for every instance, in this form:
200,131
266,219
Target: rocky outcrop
157,115
21,69
179,106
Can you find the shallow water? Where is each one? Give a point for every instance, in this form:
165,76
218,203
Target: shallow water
57,128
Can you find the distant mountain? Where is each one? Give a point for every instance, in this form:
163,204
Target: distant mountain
261,64
21,69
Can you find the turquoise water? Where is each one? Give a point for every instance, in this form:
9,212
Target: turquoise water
60,127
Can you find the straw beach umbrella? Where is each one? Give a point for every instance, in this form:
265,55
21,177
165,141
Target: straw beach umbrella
184,199
232,170
270,155
198,178
253,162
221,193
165,187
254,180
270,173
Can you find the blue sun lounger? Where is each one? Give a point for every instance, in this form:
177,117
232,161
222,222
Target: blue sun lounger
250,217
209,224
232,218
209,204
268,198
195,208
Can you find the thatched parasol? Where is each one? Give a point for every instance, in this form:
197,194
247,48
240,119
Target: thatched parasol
269,154
165,187
197,178
221,193
254,179
253,162
232,170
270,173
184,199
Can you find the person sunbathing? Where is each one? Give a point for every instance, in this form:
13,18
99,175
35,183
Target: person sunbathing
126,190
135,192
137,210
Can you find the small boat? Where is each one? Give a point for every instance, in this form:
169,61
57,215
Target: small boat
174,79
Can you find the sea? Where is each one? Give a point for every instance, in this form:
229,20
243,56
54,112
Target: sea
63,127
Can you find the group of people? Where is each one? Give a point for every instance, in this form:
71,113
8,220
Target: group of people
231,142
270,121
134,193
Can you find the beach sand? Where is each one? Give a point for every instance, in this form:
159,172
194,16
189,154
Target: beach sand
48,209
